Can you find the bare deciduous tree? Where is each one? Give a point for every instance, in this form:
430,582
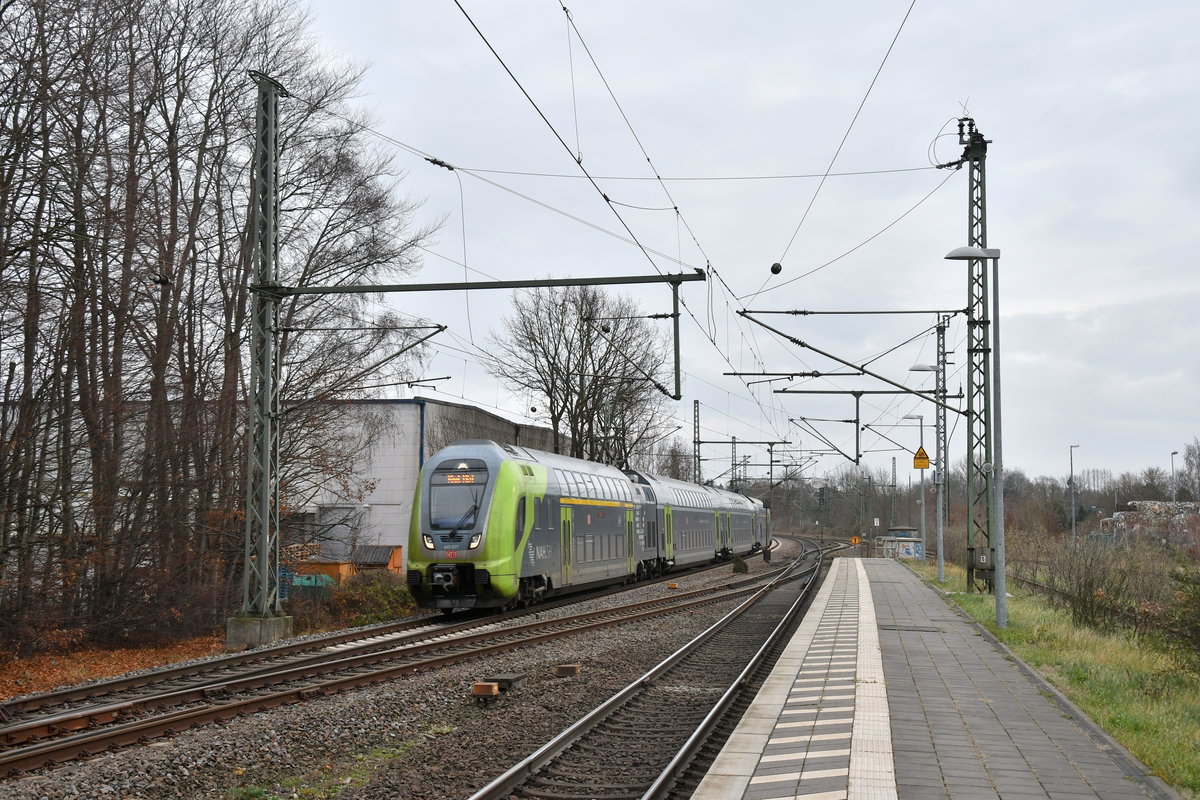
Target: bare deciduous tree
126,133
594,362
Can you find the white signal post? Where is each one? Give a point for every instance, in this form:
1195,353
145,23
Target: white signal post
921,462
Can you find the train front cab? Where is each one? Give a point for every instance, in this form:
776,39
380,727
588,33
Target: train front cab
465,536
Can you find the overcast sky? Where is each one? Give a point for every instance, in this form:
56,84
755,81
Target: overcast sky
1091,107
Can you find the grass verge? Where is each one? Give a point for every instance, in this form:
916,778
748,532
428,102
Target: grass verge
1142,697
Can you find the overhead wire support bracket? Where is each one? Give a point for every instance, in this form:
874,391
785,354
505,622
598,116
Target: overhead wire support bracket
277,291
801,312
799,343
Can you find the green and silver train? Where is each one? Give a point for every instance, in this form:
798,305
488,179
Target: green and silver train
498,526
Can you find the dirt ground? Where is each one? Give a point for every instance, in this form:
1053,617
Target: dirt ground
20,676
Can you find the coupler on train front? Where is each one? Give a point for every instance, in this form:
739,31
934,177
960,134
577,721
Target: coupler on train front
454,586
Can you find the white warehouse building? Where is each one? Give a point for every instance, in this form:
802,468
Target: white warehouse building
403,433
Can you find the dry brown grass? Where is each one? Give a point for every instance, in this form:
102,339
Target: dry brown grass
44,672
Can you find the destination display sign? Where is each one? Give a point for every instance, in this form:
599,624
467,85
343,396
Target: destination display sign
463,478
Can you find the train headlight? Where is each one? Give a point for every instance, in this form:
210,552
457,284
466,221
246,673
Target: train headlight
427,540
471,545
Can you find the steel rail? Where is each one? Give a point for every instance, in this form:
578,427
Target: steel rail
91,691
675,769
526,769
309,665
88,743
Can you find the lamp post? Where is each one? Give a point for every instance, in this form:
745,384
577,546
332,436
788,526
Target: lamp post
1173,484
996,509
1071,482
921,422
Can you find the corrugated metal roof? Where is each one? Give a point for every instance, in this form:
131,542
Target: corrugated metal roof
373,554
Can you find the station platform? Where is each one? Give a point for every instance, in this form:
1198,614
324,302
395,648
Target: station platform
886,691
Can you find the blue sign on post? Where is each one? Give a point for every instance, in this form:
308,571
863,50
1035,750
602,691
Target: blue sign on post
285,580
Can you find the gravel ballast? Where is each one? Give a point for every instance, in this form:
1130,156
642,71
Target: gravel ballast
420,736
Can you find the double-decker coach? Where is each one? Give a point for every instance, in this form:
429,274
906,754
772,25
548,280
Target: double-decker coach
498,525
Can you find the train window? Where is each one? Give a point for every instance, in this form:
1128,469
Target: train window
455,492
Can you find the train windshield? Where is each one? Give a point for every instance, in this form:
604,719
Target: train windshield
456,494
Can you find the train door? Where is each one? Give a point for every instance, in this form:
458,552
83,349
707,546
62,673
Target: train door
668,533
567,532
630,553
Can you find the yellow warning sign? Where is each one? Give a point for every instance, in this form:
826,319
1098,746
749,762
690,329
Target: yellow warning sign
921,459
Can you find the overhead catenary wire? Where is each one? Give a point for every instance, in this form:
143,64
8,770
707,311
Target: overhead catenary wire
650,163
708,331
702,178
856,247
849,128
558,136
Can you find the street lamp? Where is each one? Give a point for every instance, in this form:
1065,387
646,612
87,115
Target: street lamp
939,472
921,421
996,509
1071,482
1173,484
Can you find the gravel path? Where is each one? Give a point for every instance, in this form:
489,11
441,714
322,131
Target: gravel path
420,736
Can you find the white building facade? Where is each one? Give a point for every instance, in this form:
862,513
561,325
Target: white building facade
402,434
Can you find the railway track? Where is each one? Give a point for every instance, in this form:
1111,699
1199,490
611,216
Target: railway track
664,729
120,713
188,675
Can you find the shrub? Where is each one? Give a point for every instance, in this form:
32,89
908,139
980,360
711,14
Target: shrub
374,596
739,565
1183,615
1106,586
